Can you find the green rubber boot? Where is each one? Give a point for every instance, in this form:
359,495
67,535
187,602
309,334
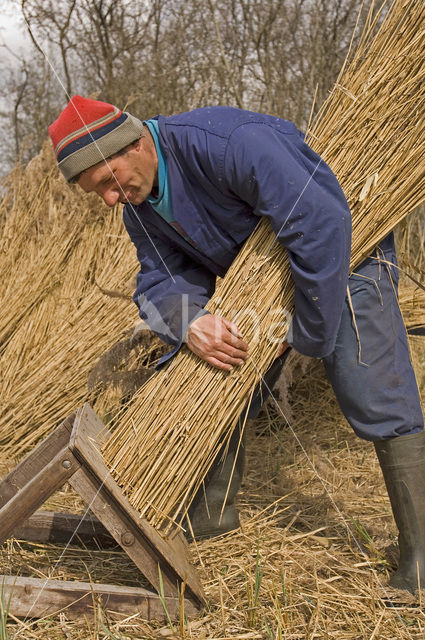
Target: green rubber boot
402,461
206,514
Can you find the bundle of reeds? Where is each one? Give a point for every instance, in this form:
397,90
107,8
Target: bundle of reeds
371,131
57,245
412,305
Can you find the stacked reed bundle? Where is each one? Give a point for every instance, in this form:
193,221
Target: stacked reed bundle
412,304
371,131
56,244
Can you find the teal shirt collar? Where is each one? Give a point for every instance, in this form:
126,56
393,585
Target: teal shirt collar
163,191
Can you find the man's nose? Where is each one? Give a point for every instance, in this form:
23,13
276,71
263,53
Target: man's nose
110,197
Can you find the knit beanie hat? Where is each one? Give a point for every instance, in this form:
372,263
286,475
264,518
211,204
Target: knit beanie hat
88,131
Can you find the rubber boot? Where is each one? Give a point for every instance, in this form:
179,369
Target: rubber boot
402,461
207,516
264,387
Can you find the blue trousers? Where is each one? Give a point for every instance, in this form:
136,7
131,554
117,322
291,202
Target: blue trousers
370,368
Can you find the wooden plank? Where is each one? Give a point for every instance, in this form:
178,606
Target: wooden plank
89,431
36,598
33,494
35,461
51,526
121,527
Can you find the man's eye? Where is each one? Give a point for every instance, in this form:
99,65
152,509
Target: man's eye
110,179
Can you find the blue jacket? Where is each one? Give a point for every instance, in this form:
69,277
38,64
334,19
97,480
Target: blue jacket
226,168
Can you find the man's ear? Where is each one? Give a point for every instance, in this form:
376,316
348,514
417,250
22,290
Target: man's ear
138,144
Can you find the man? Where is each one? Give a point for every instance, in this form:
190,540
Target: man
194,186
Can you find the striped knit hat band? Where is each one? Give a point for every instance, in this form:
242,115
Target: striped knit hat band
88,131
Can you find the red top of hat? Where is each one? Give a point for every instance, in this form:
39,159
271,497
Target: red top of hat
79,117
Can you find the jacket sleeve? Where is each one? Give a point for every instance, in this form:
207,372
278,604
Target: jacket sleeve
281,178
172,290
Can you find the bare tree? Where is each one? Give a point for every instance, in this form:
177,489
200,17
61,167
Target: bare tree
51,21
33,102
112,37
165,56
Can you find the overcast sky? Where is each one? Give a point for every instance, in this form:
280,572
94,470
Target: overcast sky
12,32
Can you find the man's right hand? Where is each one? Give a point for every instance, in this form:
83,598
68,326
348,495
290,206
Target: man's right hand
217,341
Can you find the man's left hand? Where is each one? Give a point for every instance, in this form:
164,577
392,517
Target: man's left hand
284,346
217,341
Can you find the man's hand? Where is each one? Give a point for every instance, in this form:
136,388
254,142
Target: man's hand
217,341
282,348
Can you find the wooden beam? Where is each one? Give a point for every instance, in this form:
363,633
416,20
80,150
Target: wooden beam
172,555
36,598
36,491
127,535
35,461
51,526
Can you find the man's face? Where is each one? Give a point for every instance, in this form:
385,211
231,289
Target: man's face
124,178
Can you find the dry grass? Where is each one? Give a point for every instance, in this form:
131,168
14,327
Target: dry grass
318,485
57,245
412,303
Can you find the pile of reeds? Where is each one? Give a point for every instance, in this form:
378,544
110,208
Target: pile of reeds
371,131
57,246
412,304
